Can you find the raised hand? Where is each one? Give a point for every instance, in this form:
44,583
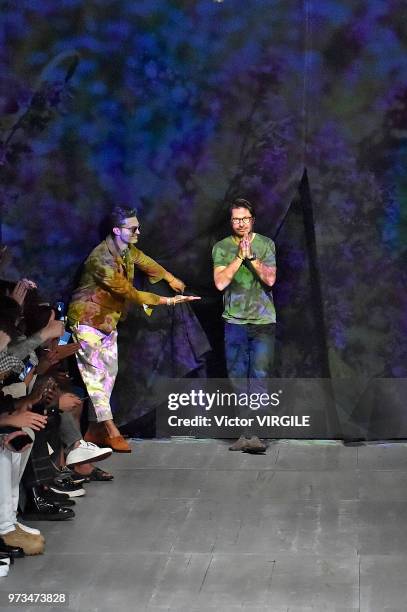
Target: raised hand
19,292
53,329
4,340
177,285
30,284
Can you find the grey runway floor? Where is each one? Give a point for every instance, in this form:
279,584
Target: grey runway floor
188,525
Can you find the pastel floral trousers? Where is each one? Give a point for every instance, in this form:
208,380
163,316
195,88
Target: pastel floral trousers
97,363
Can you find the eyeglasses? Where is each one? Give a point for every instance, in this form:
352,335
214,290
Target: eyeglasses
244,220
133,230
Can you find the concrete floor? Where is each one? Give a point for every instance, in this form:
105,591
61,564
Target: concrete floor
188,525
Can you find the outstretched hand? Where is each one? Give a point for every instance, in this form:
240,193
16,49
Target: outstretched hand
181,299
55,355
26,419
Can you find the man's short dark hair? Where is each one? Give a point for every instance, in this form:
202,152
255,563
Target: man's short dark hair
10,309
36,318
119,215
7,325
242,203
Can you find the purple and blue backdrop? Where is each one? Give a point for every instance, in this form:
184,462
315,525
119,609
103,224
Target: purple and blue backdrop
179,105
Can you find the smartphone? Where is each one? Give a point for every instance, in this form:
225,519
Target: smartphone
60,311
64,339
39,409
27,369
19,442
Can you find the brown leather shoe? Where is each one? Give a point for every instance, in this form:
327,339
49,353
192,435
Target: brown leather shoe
94,438
117,443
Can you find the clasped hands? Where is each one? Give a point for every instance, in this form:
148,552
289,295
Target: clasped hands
245,248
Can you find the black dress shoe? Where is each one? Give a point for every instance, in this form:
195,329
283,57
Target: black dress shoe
39,509
61,499
13,552
56,499
56,496
4,556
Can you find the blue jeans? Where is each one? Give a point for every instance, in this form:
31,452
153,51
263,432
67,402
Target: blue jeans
249,350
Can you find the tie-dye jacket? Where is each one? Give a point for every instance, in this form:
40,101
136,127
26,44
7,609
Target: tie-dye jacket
106,286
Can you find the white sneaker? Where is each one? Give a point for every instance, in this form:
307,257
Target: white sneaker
70,490
87,452
4,567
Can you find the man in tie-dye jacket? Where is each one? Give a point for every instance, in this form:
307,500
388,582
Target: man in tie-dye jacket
104,293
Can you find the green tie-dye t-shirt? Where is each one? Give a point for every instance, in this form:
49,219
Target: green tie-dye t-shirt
246,299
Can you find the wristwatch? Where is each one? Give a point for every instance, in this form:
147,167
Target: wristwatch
252,258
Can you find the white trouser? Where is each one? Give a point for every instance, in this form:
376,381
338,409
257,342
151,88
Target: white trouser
12,466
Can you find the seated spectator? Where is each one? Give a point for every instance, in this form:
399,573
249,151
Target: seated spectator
39,468
79,454
48,489
15,539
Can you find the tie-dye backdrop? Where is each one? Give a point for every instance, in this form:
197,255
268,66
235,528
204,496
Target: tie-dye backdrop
182,104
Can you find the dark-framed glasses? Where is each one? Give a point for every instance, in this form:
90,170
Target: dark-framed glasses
133,230
244,220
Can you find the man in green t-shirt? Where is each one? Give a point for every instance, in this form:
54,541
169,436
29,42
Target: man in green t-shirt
245,270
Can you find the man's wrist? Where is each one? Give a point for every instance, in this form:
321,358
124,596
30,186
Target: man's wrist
253,257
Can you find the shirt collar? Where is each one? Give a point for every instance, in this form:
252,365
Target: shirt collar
111,245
